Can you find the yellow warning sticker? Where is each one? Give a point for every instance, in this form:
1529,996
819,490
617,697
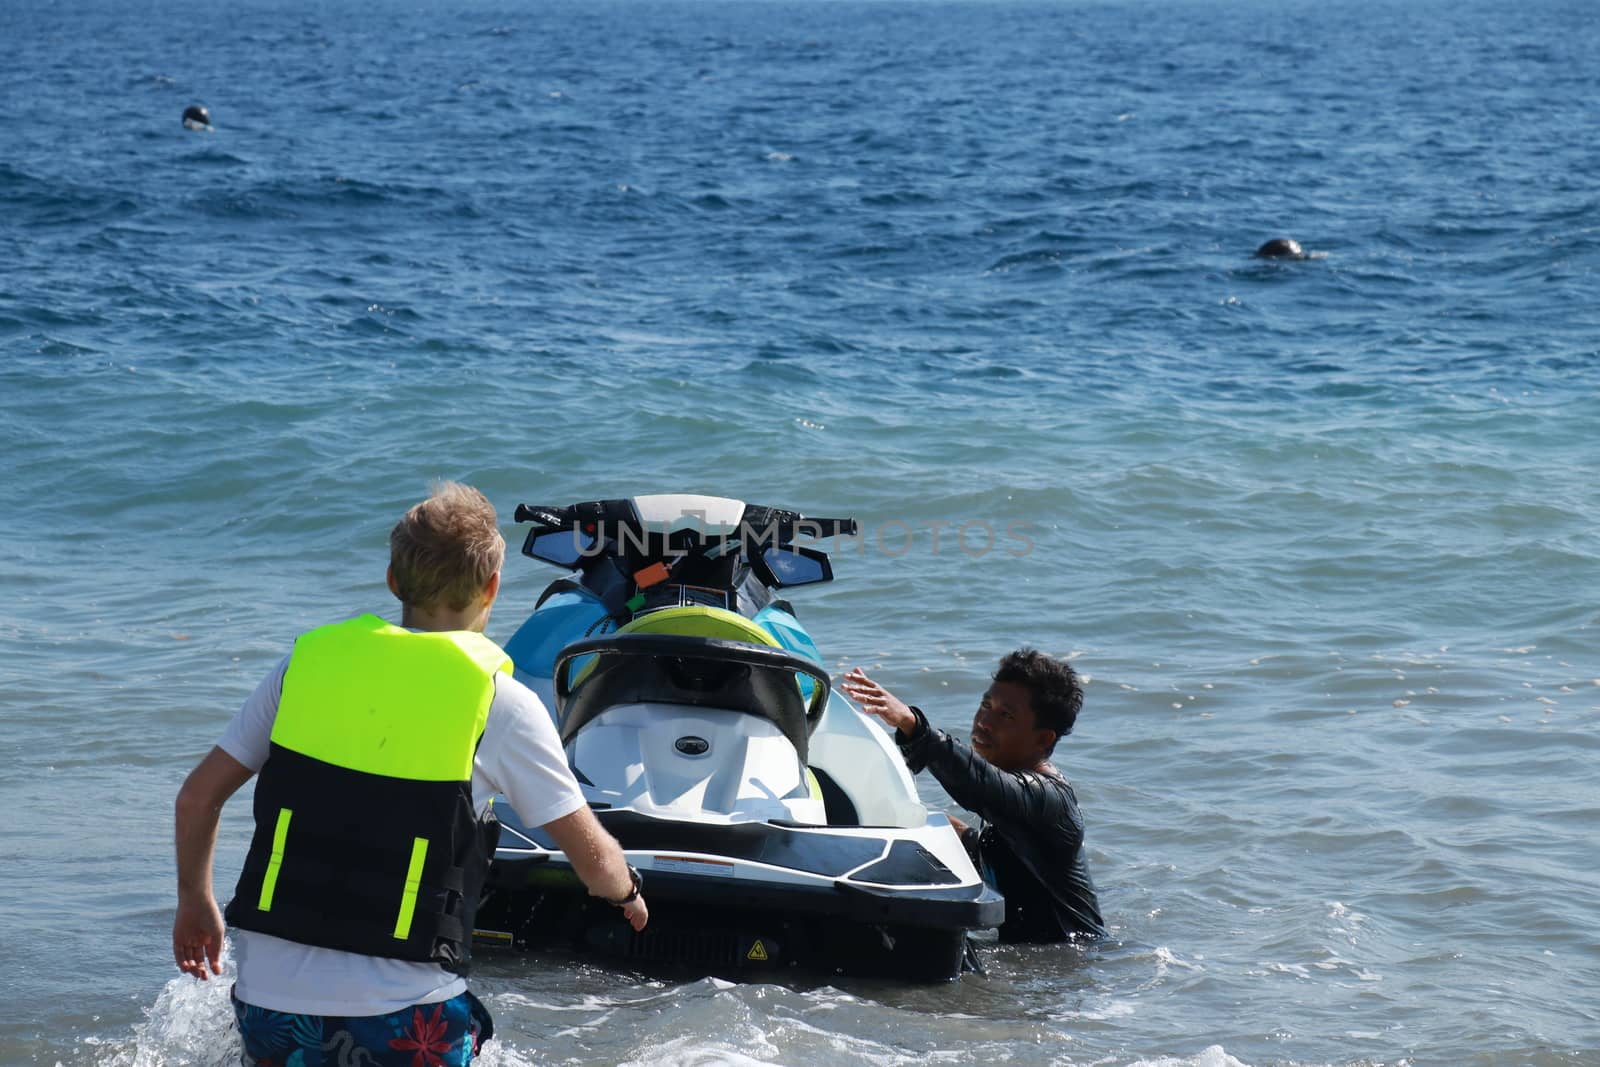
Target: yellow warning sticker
502,937
758,951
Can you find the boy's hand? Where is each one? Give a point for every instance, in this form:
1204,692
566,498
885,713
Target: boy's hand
197,937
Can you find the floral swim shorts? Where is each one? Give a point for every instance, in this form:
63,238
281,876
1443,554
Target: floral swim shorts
445,1034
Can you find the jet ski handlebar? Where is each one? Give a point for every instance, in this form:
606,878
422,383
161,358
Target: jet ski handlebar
762,520
829,527
543,515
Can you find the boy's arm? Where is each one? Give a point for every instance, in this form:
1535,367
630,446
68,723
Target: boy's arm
197,929
598,861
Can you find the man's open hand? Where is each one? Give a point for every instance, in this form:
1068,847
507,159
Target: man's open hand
876,700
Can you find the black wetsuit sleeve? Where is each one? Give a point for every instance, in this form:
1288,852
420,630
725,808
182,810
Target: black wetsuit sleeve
971,841
1033,841
1012,801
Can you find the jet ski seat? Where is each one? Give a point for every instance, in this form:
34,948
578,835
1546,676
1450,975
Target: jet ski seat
695,620
612,679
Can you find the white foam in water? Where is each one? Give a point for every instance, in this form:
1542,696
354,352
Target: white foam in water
1214,1056
694,1051
1166,958
189,1025
1116,1009
497,1053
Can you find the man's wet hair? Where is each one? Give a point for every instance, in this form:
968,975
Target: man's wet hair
1052,684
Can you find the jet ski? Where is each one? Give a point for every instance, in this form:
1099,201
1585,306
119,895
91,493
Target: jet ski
774,824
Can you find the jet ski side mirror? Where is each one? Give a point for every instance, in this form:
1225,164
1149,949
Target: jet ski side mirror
565,548
783,567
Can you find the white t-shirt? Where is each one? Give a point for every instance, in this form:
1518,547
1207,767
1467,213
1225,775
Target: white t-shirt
520,755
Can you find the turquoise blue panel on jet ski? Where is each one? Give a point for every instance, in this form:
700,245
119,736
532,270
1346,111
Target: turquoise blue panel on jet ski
790,634
568,616
792,637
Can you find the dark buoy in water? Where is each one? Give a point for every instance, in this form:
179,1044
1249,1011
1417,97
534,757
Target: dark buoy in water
1281,248
196,117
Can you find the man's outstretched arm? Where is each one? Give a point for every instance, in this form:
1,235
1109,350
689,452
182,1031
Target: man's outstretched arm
1023,799
197,930
598,861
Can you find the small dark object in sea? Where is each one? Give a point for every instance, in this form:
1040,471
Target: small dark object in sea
1281,248
196,117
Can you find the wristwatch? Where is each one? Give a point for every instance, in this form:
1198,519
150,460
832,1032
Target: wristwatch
638,881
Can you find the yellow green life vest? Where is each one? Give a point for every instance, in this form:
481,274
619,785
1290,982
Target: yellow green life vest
366,839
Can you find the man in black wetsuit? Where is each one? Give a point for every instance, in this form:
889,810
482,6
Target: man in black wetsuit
1031,846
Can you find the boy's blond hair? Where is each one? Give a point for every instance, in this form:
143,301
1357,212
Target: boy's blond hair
445,549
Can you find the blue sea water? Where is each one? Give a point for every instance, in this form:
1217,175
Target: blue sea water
1321,534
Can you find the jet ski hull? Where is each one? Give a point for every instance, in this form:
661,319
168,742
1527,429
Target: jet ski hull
747,899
